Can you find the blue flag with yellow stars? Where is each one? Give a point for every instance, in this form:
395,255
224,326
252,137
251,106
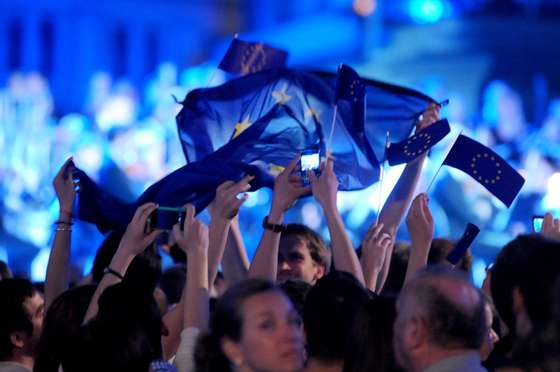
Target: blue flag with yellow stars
486,167
243,57
298,101
409,149
471,231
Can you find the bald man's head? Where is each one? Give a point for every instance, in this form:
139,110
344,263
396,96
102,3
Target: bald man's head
452,309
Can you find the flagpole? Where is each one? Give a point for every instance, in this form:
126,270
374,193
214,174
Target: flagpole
235,36
381,177
329,142
441,165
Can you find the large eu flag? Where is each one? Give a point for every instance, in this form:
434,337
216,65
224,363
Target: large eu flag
212,117
409,149
243,57
486,167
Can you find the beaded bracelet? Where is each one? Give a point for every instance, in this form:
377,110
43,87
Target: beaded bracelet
63,229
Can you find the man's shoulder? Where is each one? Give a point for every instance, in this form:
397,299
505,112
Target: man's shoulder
459,363
13,367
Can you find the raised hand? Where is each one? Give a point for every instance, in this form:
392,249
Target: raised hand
428,117
375,246
420,222
194,235
287,188
135,240
551,227
226,204
64,189
325,186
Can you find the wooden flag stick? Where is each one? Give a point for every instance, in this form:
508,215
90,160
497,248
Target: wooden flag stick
381,177
441,165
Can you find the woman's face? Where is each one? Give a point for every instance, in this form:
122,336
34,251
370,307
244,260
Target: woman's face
271,335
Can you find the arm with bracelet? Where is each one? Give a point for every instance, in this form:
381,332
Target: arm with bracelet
287,189
56,280
133,242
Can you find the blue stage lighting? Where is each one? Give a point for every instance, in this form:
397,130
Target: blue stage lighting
426,11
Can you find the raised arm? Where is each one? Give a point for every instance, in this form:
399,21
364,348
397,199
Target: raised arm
287,189
325,188
133,242
235,262
56,280
224,208
420,224
375,246
397,203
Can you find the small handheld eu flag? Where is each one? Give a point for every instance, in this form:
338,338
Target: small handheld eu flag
243,57
409,149
486,167
463,244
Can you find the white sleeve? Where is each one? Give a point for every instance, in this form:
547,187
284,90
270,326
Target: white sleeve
184,358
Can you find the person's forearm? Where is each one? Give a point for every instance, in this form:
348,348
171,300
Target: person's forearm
218,233
384,272
418,259
119,263
235,262
56,280
395,208
173,321
344,256
371,273
196,290
265,261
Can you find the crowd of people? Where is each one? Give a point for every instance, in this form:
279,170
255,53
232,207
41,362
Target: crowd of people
125,138
299,305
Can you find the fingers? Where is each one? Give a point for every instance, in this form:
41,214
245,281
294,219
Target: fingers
143,211
374,231
292,165
63,172
152,236
189,214
548,222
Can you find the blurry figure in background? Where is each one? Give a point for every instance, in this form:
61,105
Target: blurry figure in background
25,188
99,91
5,272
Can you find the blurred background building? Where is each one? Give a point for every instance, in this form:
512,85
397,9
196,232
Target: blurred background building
99,80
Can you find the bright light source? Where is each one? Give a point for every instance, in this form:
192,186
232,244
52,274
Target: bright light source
426,11
364,8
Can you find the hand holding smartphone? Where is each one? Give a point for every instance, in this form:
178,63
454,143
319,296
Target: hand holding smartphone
310,161
164,218
537,223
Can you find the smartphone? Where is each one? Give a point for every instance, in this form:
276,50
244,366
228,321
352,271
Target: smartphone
164,218
537,223
310,161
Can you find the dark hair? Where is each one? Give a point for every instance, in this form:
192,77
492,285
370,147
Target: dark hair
13,315
449,323
124,336
105,254
329,311
172,282
528,262
317,247
296,290
62,322
227,321
370,343
439,250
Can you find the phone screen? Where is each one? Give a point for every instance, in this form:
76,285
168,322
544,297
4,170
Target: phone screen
537,223
310,161
164,218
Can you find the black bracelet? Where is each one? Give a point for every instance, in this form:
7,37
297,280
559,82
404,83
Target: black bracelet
277,228
60,222
108,270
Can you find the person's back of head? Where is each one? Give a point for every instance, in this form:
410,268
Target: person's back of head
5,272
397,269
526,266
296,290
370,344
447,313
172,282
330,308
62,322
21,318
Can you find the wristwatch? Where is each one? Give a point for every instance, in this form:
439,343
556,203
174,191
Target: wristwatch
277,228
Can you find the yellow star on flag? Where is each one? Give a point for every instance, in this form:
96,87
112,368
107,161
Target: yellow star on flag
240,127
281,96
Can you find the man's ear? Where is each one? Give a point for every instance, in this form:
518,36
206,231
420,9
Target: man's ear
18,339
233,352
321,270
415,333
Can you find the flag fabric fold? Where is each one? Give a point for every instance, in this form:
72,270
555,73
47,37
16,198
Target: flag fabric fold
486,167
